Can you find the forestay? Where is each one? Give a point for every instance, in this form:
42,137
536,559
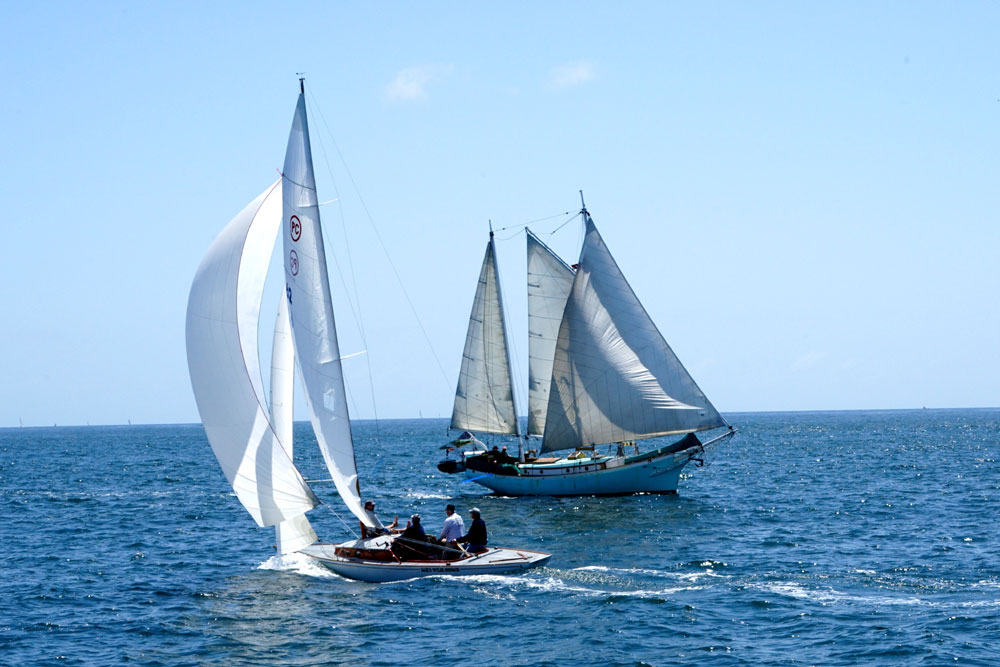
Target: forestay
310,307
223,360
549,282
614,377
484,399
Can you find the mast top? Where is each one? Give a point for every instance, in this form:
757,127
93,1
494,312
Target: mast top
491,228
302,85
583,205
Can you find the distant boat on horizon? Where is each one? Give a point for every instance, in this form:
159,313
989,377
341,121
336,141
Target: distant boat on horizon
599,372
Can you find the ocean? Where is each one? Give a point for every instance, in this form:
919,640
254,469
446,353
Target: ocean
834,538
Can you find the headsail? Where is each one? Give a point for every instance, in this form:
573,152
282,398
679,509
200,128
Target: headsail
223,360
295,533
307,289
549,283
614,377
484,399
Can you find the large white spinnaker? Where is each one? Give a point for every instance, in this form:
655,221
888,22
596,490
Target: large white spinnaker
223,360
484,398
614,377
295,533
310,308
549,282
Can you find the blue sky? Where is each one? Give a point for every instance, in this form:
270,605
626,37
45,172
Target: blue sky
803,195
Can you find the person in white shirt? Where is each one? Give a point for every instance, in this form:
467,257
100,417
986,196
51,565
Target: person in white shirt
379,529
452,531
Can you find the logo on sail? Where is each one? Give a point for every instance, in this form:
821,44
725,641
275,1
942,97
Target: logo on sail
293,262
296,227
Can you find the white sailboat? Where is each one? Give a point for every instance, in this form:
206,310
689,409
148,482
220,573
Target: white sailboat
599,373
251,438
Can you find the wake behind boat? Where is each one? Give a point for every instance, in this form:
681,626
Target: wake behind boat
599,373
251,438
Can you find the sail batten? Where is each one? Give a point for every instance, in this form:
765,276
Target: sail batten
549,282
614,377
310,308
223,361
484,398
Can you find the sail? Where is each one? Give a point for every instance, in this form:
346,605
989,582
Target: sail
484,399
614,377
549,283
295,533
223,360
310,309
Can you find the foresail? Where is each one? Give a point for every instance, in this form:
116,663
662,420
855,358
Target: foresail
295,533
549,282
223,360
614,377
307,289
484,399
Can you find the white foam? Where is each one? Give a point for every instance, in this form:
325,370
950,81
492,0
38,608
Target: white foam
297,563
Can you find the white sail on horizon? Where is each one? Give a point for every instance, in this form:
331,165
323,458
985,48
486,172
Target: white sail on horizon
549,282
223,361
484,398
614,376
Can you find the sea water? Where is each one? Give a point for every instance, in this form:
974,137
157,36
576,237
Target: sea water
809,538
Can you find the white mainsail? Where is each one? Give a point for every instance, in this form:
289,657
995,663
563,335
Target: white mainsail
614,377
549,282
484,399
223,360
307,289
295,533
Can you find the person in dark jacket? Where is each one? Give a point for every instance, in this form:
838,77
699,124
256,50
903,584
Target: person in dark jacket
412,543
475,539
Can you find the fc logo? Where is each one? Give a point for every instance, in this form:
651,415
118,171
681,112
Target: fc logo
293,262
296,227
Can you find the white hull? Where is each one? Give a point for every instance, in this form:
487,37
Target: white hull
617,476
493,561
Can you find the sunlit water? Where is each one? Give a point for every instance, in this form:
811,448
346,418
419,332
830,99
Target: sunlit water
810,538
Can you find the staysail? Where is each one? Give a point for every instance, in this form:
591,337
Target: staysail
484,399
549,283
223,360
614,377
295,533
307,289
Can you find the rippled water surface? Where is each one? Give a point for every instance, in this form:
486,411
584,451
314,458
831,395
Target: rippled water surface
810,538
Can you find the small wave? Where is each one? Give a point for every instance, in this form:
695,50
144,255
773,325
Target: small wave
557,585
683,576
297,563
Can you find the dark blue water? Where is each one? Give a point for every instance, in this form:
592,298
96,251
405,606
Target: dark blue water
811,538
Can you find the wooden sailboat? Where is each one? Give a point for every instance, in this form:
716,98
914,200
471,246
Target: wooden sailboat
251,438
600,372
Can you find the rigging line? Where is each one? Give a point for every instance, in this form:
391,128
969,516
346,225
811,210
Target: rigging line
359,316
563,225
531,222
346,525
385,250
